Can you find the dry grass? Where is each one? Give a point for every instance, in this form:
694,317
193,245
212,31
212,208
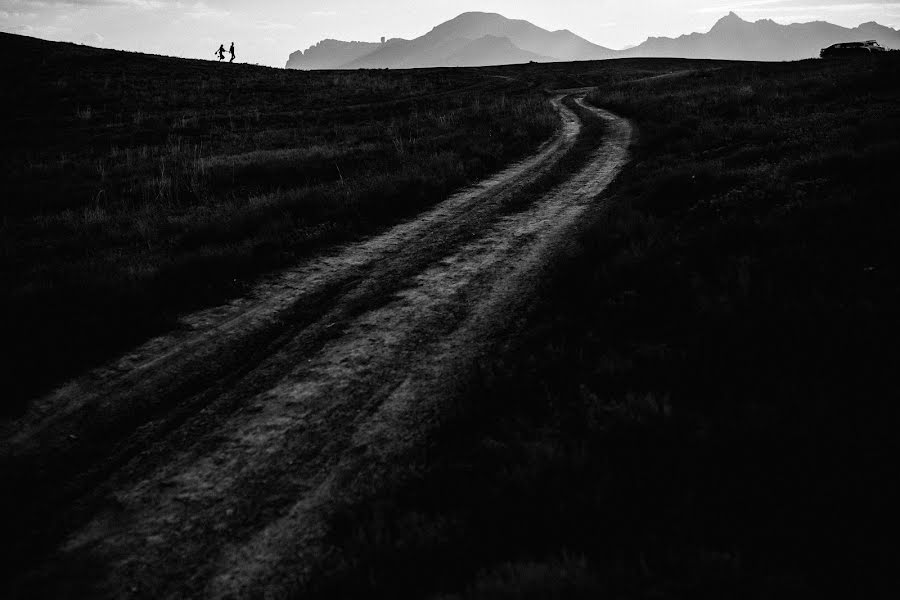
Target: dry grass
135,188
697,408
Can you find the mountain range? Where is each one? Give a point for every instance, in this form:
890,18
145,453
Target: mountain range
479,39
733,38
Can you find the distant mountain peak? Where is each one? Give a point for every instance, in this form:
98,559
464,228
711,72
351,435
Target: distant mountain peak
475,14
469,39
733,38
467,18
729,20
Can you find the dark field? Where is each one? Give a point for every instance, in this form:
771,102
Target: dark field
136,188
703,403
700,403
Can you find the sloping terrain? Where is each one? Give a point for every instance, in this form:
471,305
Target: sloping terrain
701,404
672,384
211,461
453,52
136,188
492,50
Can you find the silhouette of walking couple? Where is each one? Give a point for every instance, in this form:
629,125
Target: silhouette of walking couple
221,52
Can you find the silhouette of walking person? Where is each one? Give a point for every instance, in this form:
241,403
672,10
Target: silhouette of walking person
220,52
232,52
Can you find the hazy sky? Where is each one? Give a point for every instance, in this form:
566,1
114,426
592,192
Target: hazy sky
266,31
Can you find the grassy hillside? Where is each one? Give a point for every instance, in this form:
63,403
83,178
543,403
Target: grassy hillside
703,403
136,187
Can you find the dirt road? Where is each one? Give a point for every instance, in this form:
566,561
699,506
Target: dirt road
208,461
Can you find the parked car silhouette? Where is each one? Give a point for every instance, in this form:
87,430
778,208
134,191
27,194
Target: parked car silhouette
852,49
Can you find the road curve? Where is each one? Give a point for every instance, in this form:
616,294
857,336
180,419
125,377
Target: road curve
209,461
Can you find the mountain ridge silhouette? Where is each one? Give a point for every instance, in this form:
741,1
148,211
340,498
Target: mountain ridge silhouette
481,39
733,38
